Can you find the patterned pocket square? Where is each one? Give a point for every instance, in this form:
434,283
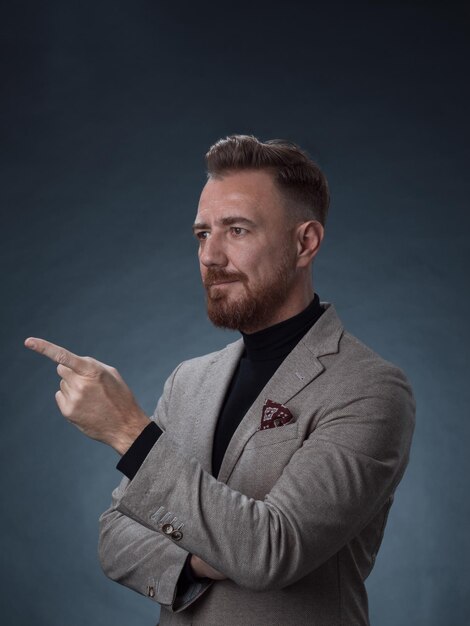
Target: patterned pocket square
274,415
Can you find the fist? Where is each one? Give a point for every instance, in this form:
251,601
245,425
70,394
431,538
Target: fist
204,570
94,397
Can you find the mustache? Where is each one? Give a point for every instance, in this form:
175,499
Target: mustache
219,275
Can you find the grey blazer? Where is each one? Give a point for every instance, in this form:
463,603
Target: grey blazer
297,513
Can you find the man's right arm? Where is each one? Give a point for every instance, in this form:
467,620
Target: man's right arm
129,464
144,560
137,557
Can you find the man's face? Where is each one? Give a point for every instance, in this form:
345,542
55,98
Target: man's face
247,251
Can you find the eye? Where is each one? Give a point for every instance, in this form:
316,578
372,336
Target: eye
201,235
238,230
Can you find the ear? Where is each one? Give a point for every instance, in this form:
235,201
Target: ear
309,237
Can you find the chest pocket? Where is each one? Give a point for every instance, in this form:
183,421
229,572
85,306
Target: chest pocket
271,436
264,458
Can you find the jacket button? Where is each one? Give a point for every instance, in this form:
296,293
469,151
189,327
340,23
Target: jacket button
176,535
167,529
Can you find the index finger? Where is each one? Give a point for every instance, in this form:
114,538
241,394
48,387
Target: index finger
57,354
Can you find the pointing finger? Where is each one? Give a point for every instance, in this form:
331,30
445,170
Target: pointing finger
78,364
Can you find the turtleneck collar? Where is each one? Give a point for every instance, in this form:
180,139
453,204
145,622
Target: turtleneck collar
275,342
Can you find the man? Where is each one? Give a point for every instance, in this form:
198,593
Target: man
259,491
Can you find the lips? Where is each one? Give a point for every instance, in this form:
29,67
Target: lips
222,282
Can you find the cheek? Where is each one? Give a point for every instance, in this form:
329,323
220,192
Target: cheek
262,262
251,269
252,259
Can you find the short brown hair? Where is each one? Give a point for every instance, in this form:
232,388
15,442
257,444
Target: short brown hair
299,179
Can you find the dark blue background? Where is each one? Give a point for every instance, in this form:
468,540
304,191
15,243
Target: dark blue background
107,109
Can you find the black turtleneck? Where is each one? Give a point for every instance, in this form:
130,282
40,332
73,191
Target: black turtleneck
264,352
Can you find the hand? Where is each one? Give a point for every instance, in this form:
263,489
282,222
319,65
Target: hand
203,569
94,397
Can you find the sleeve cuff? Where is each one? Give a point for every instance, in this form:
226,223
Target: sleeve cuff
131,461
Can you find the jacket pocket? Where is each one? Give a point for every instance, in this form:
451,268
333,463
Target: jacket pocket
271,436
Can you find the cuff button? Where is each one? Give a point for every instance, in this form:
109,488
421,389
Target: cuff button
176,535
167,529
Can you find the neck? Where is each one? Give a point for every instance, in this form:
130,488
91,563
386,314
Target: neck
278,340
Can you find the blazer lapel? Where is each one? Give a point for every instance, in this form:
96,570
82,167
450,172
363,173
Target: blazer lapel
220,370
298,369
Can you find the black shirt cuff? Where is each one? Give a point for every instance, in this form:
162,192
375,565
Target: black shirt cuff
131,461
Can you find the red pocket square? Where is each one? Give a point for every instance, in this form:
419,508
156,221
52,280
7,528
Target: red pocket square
274,415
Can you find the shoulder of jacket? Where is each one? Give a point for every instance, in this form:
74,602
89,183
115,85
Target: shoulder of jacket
367,369
204,360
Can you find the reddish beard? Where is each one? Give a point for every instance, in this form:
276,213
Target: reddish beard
257,306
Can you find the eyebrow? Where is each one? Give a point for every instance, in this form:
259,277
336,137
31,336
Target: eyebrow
225,221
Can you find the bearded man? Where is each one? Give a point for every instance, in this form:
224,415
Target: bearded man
258,491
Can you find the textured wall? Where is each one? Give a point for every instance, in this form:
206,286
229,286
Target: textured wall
107,109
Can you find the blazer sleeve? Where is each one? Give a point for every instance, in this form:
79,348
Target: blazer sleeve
332,486
141,558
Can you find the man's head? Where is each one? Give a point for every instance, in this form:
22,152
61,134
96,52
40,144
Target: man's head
260,223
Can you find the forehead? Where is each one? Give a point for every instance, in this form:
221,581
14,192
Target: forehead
250,193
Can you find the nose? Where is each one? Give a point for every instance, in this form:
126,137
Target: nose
212,251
